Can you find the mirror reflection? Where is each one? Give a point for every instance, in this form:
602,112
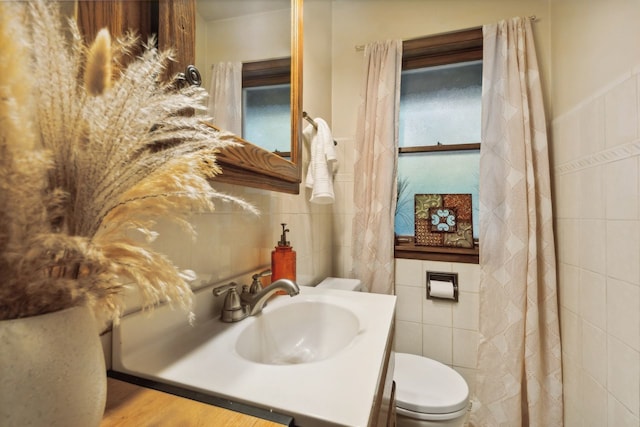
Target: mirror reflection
243,51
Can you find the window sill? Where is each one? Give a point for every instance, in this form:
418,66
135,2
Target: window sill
431,253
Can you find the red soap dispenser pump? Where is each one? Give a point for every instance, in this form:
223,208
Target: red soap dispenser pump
283,259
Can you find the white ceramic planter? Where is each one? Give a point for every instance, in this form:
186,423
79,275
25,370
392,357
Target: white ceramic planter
52,370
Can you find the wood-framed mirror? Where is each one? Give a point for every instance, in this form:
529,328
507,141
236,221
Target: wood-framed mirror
174,22
253,164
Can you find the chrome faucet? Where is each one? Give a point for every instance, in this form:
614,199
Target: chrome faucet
256,285
257,302
237,307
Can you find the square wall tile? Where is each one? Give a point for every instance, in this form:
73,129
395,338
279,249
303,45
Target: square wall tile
174,242
569,284
468,277
436,266
571,331
593,245
623,312
466,312
572,413
436,312
623,373
408,337
568,241
572,391
341,193
349,207
594,403
567,196
566,132
409,303
437,343
594,352
465,348
619,416
623,251
592,128
409,272
592,298
592,198
342,229
621,113
621,189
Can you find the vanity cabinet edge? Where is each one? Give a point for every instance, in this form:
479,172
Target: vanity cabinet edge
383,410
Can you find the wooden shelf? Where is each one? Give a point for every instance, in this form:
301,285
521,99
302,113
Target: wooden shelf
430,253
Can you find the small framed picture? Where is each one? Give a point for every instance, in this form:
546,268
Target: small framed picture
444,220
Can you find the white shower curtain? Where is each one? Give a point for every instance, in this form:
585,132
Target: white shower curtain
375,167
519,380
225,96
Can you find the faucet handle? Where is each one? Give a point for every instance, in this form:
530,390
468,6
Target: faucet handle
256,285
233,309
263,273
224,288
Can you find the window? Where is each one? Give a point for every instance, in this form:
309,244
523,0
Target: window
440,119
266,104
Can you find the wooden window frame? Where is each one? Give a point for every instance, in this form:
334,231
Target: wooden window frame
440,49
267,72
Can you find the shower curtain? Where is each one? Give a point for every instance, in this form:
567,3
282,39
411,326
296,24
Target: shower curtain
375,167
519,381
225,96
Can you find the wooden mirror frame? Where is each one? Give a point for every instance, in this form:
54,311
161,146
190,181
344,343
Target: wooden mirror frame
253,166
246,164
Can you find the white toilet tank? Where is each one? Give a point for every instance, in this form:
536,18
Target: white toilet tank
342,284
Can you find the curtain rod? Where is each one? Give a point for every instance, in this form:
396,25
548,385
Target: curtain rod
313,123
360,47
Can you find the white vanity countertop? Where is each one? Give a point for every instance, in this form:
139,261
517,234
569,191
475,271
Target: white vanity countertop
338,391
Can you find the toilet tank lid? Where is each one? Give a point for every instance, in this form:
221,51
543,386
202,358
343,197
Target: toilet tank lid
341,283
427,386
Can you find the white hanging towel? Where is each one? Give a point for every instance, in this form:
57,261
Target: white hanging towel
323,156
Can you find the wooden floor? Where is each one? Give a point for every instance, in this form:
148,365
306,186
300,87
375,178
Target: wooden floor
132,405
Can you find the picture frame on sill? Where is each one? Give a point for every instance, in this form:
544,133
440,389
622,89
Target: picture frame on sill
443,220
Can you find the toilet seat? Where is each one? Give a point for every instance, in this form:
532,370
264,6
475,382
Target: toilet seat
431,417
427,389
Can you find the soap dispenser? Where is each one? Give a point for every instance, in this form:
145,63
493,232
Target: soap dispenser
283,259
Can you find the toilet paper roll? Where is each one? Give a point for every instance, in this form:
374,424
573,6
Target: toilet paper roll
441,289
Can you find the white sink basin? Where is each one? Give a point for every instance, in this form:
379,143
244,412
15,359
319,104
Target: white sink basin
308,331
291,359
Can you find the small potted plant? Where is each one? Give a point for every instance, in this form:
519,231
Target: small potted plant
92,152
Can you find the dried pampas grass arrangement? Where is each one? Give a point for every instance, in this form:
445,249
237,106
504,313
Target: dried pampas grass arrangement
87,160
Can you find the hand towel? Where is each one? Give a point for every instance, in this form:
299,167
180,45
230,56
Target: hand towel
323,156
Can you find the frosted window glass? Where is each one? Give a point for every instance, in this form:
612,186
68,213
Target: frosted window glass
441,104
266,116
450,172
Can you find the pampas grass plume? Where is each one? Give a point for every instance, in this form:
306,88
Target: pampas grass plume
97,74
87,159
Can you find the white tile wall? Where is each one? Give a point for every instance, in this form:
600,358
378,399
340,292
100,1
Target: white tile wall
441,330
621,113
594,352
232,242
596,153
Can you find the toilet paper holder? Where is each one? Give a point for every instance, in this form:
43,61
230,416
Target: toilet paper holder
443,281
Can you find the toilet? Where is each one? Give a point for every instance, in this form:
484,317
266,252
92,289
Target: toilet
428,393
